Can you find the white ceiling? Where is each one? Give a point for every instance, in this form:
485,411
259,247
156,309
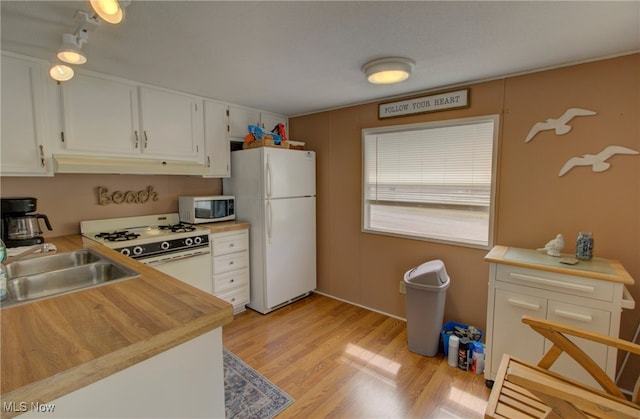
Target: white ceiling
298,57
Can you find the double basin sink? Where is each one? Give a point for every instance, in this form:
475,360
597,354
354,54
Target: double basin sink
47,275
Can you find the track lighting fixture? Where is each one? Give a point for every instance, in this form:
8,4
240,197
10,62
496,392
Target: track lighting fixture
71,49
111,11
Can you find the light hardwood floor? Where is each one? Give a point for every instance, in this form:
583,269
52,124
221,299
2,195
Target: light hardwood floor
338,360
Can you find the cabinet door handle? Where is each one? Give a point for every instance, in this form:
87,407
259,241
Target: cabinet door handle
146,140
269,220
524,304
208,161
552,282
137,139
573,316
41,155
268,176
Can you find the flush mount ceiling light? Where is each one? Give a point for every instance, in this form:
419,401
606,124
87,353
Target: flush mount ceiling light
70,52
111,11
61,72
388,70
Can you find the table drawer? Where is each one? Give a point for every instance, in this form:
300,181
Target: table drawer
230,280
567,284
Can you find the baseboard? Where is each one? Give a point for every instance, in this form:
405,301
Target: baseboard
360,305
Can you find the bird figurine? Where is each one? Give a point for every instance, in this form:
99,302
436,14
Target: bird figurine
596,161
560,124
553,247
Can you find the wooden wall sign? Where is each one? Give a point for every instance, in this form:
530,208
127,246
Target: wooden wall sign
106,197
433,103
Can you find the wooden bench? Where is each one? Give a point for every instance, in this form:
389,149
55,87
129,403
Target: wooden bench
522,390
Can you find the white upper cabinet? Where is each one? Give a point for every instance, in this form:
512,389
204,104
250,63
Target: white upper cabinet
216,126
23,147
104,116
240,118
64,127
269,121
100,116
171,125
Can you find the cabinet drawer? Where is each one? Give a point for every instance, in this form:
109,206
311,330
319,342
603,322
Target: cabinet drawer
566,284
587,318
510,335
225,244
230,280
238,297
230,262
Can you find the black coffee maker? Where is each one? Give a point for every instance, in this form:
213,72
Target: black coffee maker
19,226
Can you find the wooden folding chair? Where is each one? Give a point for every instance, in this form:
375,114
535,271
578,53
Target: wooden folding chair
522,390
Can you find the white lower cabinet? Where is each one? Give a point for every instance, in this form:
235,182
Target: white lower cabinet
525,282
230,259
186,381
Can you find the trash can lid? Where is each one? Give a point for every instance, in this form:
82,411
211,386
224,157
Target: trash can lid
431,274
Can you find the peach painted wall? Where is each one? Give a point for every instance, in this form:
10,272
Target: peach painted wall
67,199
533,202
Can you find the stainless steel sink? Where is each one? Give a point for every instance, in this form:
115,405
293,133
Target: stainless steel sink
49,275
46,263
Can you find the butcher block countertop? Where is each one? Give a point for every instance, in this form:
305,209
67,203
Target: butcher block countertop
55,346
223,226
596,268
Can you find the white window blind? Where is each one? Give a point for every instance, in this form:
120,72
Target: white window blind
438,173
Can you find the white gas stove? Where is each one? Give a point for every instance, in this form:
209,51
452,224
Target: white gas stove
161,241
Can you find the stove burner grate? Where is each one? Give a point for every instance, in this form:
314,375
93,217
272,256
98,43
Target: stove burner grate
178,228
118,236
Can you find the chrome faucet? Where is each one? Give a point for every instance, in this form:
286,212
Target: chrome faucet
44,247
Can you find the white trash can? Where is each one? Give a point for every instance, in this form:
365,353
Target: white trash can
426,293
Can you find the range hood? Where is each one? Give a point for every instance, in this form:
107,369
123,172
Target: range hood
125,166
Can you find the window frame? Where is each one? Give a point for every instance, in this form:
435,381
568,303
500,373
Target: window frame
495,118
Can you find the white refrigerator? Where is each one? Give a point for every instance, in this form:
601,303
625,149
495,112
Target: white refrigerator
275,191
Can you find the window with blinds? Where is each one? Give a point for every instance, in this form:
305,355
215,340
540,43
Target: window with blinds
431,181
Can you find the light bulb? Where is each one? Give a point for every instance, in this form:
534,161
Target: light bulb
387,77
61,72
71,57
108,10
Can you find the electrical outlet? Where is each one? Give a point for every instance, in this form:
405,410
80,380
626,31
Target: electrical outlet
403,287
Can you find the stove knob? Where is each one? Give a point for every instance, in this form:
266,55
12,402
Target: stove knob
198,240
125,252
165,245
188,241
137,250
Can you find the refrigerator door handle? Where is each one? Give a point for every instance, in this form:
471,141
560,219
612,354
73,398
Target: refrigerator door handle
268,175
269,219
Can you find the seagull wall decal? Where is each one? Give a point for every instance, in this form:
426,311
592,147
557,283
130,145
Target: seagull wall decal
596,161
560,125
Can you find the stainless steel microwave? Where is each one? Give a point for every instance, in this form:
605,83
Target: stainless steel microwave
206,209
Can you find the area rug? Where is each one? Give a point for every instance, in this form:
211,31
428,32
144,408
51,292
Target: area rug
248,394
